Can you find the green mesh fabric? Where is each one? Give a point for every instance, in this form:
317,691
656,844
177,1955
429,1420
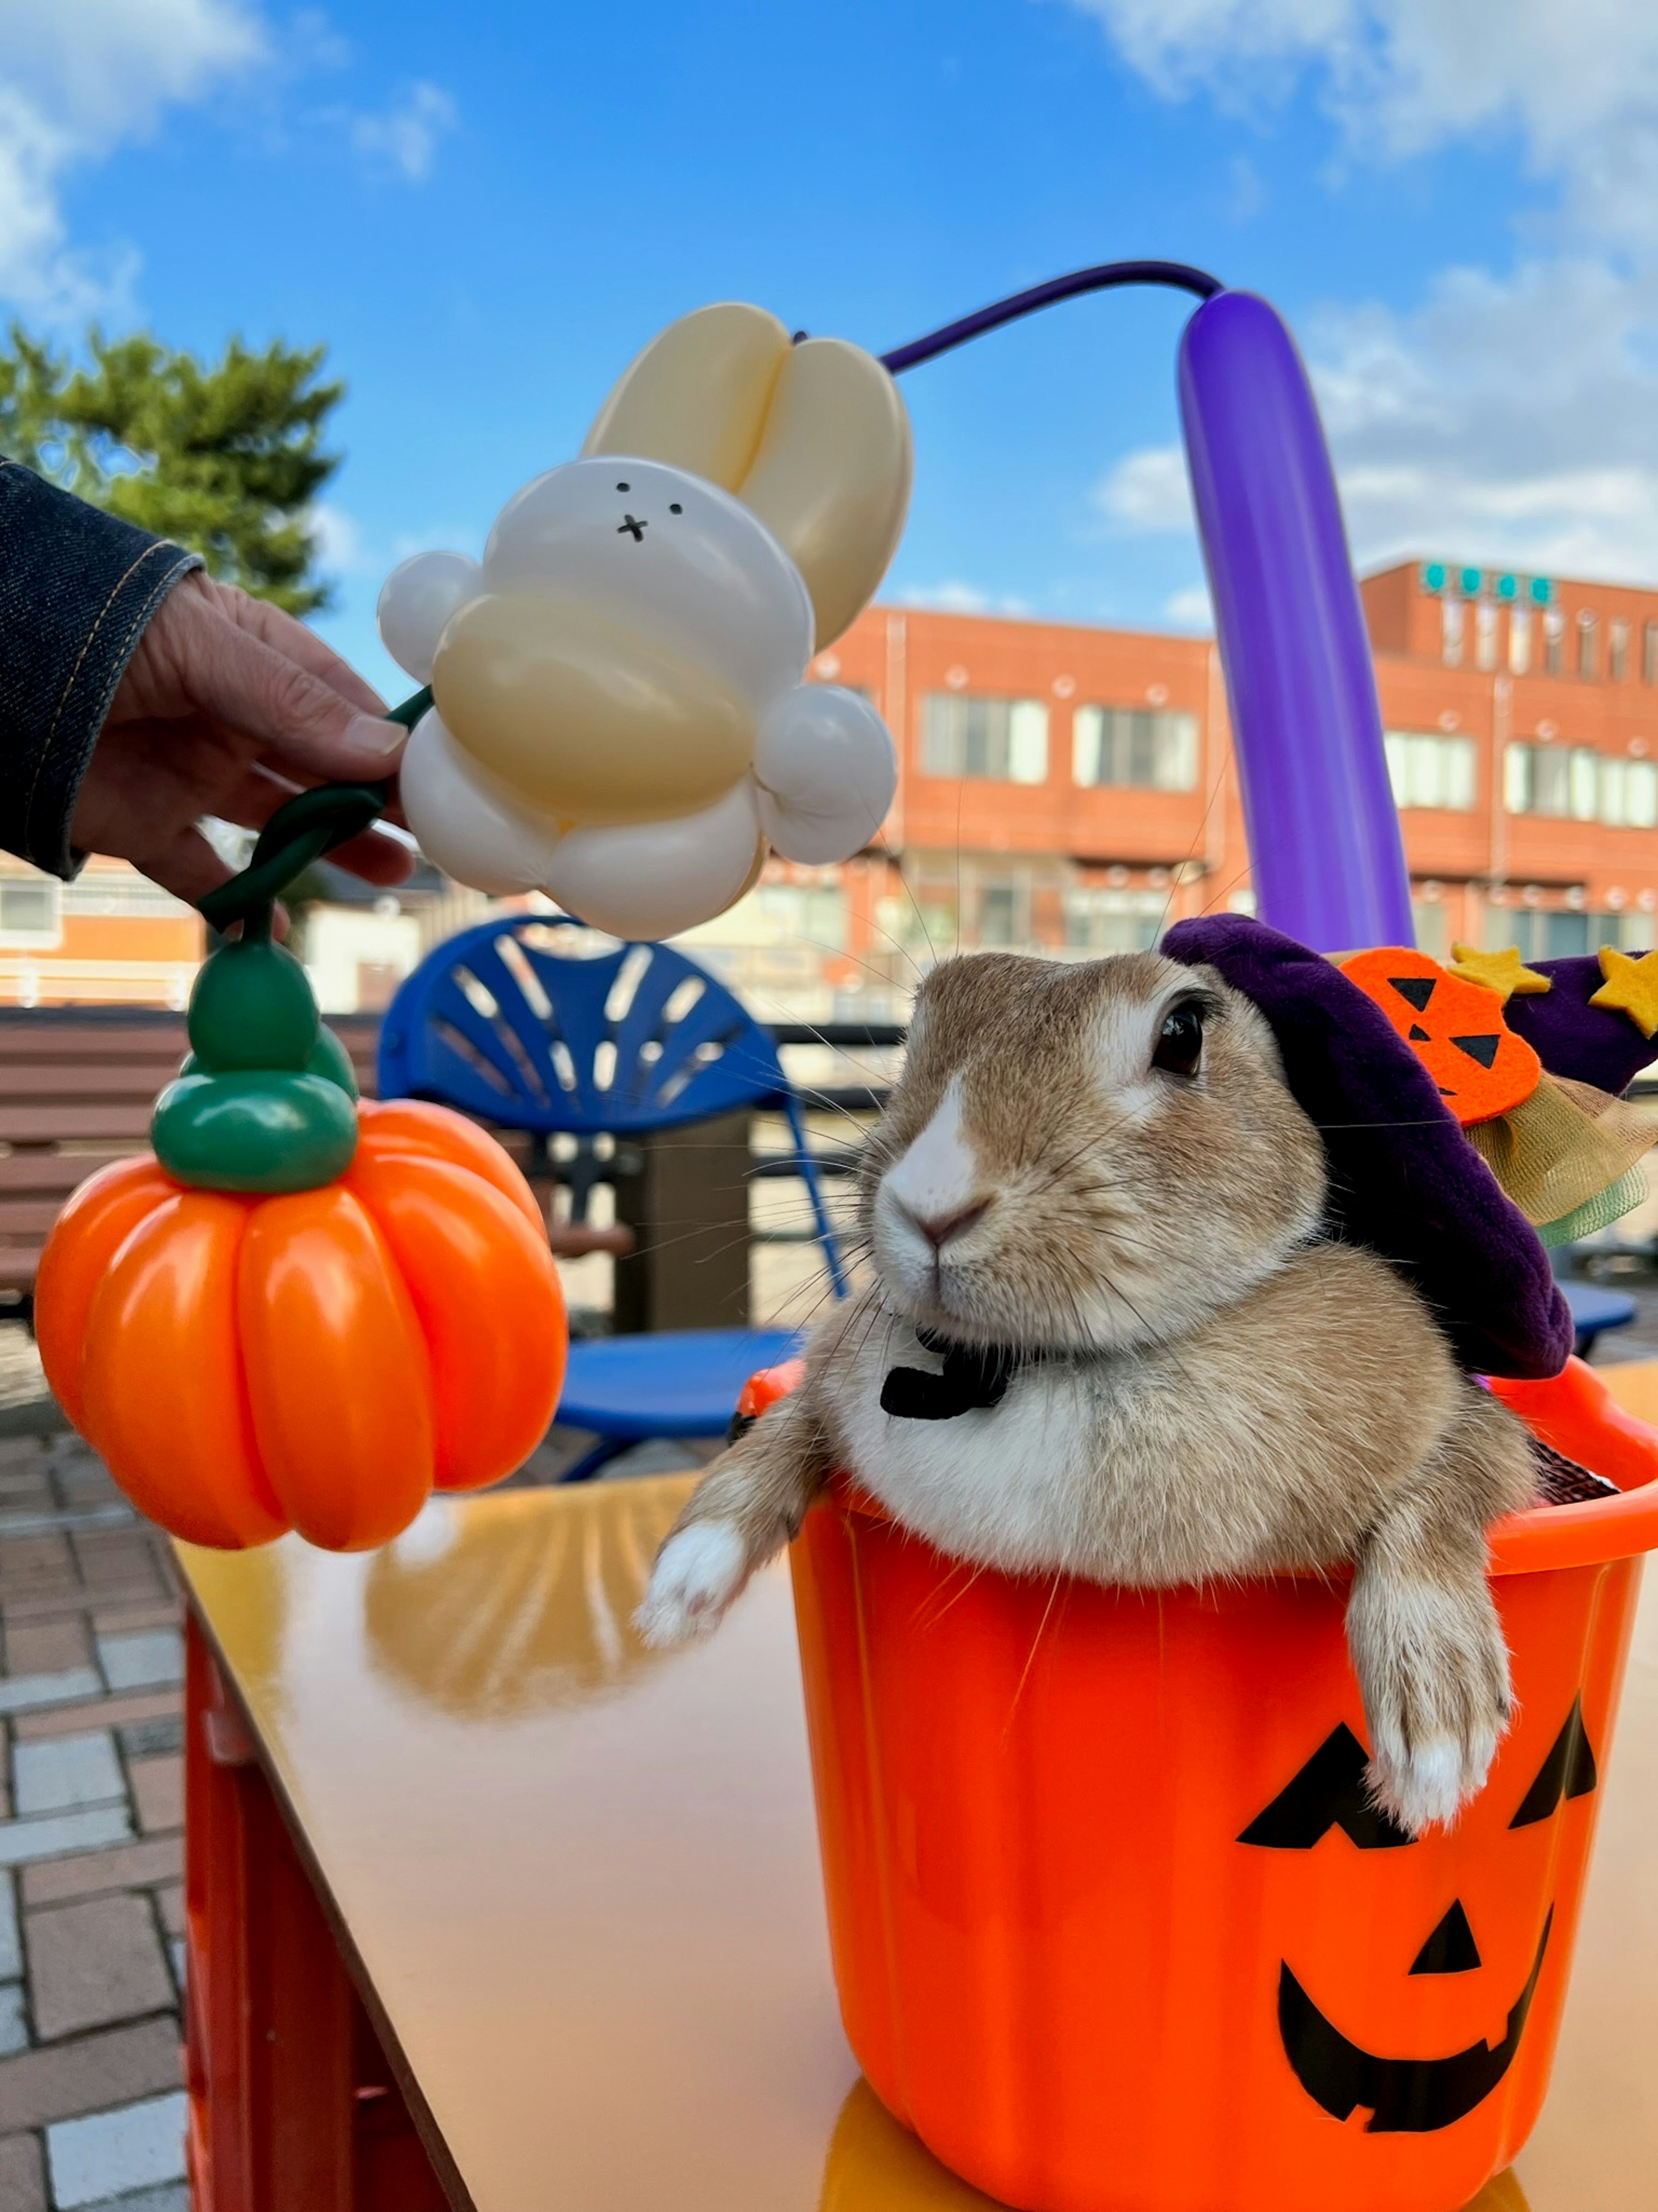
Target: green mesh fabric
1605,1207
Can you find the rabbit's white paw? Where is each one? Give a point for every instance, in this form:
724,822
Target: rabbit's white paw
697,1574
1425,1785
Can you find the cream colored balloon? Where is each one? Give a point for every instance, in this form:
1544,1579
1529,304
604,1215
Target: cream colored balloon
480,837
696,396
668,555
589,720
832,474
652,879
416,600
827,772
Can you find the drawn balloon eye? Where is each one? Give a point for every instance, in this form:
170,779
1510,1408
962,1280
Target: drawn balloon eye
674,508
624,487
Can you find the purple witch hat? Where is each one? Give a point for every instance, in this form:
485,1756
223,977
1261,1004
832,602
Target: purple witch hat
1404,1178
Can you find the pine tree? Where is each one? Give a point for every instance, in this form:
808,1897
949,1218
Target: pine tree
225,457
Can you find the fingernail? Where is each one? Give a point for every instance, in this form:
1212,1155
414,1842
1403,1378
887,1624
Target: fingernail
370,735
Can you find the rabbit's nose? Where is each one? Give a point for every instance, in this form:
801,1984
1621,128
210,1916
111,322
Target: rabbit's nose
629,523
941,1229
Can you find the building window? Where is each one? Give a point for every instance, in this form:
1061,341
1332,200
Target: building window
1113,921
1576,784
1450,632
1431,771
1433,921
1617,649
999,915
1149,747
1519,640
1003,740
30,907
1554,642
1588,645
1649,653
1485,634
1556,933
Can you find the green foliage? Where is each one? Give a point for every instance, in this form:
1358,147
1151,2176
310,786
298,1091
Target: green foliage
225,457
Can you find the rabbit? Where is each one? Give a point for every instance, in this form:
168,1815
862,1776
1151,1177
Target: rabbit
1105,1336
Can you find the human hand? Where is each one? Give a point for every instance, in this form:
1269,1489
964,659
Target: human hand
227,707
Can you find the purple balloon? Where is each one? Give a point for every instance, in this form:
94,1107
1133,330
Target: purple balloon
1324,842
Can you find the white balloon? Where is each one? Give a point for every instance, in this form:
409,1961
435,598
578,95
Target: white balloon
463,826
416,600
652,879
827,772
665,553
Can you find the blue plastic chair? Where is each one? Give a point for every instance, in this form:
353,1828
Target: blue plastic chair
1593,1311
502,1022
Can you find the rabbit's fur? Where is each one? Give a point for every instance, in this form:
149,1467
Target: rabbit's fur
1218,1392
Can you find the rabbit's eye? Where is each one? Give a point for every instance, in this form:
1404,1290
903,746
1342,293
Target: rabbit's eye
624,487
674,508
1180,1041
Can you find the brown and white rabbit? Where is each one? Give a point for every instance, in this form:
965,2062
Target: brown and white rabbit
1094,1209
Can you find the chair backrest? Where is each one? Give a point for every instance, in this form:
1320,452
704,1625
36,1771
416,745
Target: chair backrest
521,1023
518,1021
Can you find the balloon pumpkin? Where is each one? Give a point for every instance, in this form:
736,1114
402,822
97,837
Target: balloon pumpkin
301,1311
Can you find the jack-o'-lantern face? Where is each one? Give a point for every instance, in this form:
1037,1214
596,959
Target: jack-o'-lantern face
1455,1029
1406,2094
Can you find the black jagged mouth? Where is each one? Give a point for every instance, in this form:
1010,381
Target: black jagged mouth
1403,2096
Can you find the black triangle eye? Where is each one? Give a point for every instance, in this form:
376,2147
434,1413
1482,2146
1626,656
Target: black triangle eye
1482,1049
1416,990
1328,1792
1568,1772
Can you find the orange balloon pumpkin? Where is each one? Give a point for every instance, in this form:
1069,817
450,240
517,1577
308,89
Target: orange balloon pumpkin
320,1359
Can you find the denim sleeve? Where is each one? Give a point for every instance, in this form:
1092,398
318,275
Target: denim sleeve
76,588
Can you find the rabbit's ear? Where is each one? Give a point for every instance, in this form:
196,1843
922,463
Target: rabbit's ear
813,437
696,398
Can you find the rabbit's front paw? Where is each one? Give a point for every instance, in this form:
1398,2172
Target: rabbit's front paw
698,1572
1434,1671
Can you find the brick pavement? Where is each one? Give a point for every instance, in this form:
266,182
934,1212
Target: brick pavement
91,1844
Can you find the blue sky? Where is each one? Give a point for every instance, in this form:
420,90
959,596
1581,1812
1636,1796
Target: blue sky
483,211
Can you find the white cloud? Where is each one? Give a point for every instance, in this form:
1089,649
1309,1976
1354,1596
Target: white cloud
401,140
1190,609
338,541
1148,491
956,597
82,77
1510,418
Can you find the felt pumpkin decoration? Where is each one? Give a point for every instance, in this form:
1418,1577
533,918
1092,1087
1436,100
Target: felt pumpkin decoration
1456,1029
300,1311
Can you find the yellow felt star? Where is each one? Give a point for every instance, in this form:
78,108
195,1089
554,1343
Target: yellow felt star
1630,987
1503,972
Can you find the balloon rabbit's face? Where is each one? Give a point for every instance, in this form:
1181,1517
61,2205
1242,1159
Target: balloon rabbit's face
620,712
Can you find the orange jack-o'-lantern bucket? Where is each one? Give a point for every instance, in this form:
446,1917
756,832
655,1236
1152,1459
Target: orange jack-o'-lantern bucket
1113,1925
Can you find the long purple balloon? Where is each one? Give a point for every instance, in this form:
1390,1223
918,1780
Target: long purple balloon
1324,842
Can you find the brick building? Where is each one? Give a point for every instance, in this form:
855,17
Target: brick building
1071,789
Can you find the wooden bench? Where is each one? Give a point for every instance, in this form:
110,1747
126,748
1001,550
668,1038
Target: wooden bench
76,1087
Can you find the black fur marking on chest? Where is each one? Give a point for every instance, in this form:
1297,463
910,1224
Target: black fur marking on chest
974,1376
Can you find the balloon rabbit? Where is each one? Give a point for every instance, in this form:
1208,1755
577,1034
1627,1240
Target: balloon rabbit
620,716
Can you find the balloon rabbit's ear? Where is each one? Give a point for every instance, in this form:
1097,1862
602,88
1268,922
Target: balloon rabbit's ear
813,438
